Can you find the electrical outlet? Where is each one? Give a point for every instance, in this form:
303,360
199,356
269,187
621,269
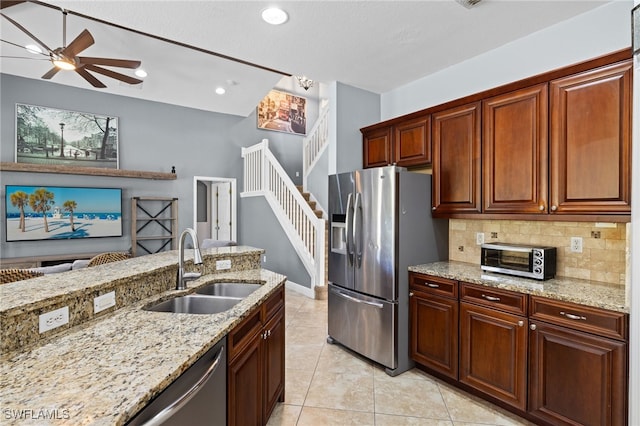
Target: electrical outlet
103,302
576,245
53,319
223,264
479,238
264,258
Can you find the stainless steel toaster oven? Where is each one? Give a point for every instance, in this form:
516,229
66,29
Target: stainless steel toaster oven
520,260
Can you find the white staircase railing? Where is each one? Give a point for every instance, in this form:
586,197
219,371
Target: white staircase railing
314,144
263,175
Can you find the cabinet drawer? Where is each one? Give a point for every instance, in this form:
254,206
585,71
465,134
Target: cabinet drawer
504,300
434,285
272,304
579,317
243,333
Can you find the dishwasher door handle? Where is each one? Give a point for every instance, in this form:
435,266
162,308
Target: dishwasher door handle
169,411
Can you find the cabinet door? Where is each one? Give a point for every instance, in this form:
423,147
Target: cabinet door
245,386
493,353
412,142
434,332
376,147
514,150
456,159
590,147
576,378
273,363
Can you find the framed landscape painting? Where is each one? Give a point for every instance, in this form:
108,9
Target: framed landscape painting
283,112
61,212
57,137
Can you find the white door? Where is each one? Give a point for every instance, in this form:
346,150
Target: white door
215,208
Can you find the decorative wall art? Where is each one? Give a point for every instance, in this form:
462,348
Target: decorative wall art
283,112
57,137
62,213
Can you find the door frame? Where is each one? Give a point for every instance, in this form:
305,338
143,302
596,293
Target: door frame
234,215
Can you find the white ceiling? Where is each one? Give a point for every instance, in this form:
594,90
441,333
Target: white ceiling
373,45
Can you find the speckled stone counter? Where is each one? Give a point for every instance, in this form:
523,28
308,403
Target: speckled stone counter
589,293
22,302
105,370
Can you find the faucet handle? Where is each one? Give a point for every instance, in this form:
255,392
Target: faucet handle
190,276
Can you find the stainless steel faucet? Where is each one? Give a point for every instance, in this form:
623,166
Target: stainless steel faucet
183,277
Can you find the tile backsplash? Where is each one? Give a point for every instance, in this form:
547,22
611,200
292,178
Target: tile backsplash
605,247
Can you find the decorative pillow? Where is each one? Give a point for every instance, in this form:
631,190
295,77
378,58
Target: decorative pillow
54,269
80,263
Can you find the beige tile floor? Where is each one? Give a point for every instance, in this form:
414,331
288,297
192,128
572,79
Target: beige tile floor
327,385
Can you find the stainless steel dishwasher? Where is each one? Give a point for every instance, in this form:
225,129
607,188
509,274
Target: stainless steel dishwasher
197,397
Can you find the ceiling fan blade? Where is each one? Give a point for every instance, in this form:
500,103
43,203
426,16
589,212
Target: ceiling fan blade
49,75
120,63
84,40
24,30
8,3
91,79
112,74
22,47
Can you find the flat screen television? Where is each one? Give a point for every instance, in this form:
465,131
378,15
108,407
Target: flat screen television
61,212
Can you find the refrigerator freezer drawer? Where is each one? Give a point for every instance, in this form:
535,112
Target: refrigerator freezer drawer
363,324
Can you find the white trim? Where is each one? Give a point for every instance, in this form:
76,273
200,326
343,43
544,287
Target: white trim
298,288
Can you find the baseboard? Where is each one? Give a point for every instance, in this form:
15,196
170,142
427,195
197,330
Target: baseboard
305,291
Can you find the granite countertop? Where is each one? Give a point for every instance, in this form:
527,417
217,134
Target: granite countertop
104,371
588,293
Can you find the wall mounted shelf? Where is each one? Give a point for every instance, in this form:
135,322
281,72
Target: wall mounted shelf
90,171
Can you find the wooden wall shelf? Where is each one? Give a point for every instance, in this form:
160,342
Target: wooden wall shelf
91,171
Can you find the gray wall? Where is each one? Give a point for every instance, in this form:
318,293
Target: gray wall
356,108
152,136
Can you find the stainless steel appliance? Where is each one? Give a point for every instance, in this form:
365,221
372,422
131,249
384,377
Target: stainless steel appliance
520,260
197,397
380,224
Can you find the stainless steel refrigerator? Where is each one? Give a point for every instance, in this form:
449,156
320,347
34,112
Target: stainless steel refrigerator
380,224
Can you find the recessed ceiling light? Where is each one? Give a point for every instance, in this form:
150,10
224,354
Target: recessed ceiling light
220,90
274,16
141,73
32,48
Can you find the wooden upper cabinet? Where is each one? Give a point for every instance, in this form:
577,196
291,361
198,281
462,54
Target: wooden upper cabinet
590,142
456,159
376,148
514,149
412,142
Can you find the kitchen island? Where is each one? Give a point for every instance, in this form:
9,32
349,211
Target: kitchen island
104,370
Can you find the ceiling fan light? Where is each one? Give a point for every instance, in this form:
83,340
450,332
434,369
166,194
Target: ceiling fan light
64,64
140,73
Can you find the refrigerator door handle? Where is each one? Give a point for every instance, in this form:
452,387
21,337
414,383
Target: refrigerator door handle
357,229
349,229
353,299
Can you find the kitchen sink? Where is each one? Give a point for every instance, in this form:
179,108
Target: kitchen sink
195,304
229,289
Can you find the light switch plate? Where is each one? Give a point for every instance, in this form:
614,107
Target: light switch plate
53,319
103,302
223,264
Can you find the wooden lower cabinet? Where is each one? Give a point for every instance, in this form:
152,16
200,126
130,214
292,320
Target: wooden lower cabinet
433,322
493,353
255,374
576,378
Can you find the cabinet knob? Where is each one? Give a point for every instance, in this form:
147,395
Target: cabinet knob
541,208
532,327
554,208
433,208
520,323
410,294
